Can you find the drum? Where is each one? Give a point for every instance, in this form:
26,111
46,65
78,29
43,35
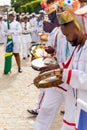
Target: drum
41,62
49,79
37,50
37,63
33,47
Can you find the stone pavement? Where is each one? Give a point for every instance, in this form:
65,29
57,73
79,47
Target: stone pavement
16,97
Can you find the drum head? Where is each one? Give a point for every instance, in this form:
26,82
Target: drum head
37,63
41,62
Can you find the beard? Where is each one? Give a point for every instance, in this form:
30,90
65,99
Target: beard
74,42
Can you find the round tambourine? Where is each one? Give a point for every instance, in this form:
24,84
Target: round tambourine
49,79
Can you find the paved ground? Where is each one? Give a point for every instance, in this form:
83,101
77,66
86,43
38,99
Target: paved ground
16,97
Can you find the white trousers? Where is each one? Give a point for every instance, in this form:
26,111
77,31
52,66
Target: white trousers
49,108
26,42
52,101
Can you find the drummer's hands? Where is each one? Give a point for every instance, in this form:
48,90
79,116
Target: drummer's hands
49,67
50,50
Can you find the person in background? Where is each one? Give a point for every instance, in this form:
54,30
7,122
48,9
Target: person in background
2,25
15,30
26,37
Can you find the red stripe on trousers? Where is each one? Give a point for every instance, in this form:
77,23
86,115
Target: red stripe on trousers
40,102
68,123
61,88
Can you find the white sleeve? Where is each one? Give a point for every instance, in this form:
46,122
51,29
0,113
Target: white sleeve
75,78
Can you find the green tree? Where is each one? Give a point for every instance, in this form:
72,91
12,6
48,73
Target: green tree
26,5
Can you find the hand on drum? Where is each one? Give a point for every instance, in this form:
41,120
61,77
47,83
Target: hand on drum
49,67
50,50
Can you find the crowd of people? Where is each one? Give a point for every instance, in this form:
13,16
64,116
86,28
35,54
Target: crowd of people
24,29
68,43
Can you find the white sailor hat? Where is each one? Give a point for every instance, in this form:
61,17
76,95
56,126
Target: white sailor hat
27,13
25,16
42,11
13,13
33,13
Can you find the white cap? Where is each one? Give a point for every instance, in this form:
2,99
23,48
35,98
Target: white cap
13,13
27,13
33,13
42,11
25,16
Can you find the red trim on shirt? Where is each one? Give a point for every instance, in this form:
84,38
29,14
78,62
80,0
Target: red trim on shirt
61,88
68,123
69,61
69,77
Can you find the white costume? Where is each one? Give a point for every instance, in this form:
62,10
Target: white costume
33,23
76,76
39,29
2,28
15,30
26,39
51,42
55,96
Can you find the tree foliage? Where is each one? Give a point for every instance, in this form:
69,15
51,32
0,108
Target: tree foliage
26,5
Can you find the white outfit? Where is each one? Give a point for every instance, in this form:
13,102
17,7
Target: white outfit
54,96
39,30
33,23
26,39
51,42
76,76
15,30
2,37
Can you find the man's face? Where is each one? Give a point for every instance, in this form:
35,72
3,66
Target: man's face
11,17
25,19
52,16
70,34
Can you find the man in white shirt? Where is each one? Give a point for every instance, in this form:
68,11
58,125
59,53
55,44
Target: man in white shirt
26,37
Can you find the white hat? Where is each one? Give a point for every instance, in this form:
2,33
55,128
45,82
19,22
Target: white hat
27,13
25,16
42,11
33,13
13,13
